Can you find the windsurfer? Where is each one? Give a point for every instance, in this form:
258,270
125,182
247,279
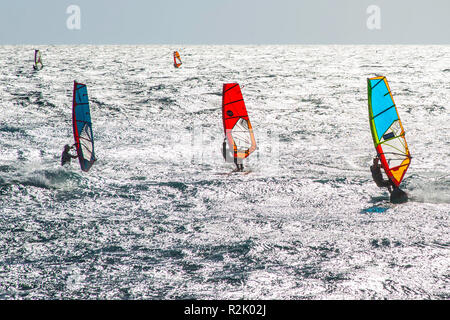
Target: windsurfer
66,156
225,152
397,195
228,156
175,56
239,165
37,60
375,168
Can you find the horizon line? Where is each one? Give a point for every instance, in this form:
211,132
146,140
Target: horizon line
223,44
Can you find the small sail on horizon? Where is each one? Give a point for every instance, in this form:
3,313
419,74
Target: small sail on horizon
38,65
176,59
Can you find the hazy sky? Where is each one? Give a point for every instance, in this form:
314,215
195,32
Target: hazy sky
225,22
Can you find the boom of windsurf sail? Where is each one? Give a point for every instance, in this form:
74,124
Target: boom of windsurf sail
387,130
37,60
82,126
236,123
176,59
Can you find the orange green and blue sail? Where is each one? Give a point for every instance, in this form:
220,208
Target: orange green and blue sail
387,130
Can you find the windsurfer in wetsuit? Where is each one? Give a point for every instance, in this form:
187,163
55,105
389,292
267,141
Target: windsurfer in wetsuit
227,155
375,168
66,156
175,64
239,164
397,195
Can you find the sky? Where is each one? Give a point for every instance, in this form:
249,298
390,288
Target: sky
225,22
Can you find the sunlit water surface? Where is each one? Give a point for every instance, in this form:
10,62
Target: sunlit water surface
160,217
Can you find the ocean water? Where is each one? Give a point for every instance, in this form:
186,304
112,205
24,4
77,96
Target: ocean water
159,216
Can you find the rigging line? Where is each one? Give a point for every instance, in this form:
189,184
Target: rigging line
233,102
383,111
406,156
377,83
86,146
88,150
398,167
231,87
86,139
395,153
243,143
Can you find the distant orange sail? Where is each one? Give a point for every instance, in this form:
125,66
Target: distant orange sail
176,59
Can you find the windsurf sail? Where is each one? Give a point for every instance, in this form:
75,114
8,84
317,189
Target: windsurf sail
236,123
176,59
37,60
82,126
387,130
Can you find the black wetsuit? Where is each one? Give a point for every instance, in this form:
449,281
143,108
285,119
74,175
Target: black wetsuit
228,155
378,177
397,195
239,165
66,157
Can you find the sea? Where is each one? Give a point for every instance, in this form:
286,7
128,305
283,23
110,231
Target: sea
161,215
